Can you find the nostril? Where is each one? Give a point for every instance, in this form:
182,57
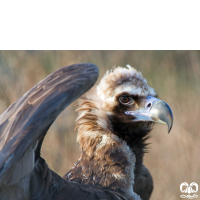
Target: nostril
149,105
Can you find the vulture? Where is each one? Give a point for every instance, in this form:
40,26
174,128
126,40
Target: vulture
114,120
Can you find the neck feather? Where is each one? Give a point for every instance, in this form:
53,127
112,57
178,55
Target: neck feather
107,159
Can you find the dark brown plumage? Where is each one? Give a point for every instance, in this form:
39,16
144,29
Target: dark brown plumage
112,132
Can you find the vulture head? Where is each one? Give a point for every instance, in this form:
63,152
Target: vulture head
114,120
129,101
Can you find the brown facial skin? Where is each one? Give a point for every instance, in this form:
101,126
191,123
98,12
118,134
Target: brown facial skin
118,111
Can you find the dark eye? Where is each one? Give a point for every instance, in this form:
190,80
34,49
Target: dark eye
125,99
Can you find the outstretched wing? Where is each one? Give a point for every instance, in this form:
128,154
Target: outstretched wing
24,124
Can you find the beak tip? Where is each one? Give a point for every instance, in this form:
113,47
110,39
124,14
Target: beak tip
169,127
163,113
170,123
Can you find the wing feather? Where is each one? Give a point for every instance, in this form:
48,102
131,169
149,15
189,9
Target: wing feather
26,121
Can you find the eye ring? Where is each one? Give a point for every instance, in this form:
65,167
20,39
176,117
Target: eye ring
125,99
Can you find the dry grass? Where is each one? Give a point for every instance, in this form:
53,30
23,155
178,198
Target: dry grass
175,75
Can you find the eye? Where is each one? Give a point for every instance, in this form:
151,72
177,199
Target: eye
125,99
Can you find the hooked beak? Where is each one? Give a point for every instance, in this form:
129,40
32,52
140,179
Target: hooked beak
154,110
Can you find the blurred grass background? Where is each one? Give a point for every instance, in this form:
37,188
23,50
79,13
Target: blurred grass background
175,75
